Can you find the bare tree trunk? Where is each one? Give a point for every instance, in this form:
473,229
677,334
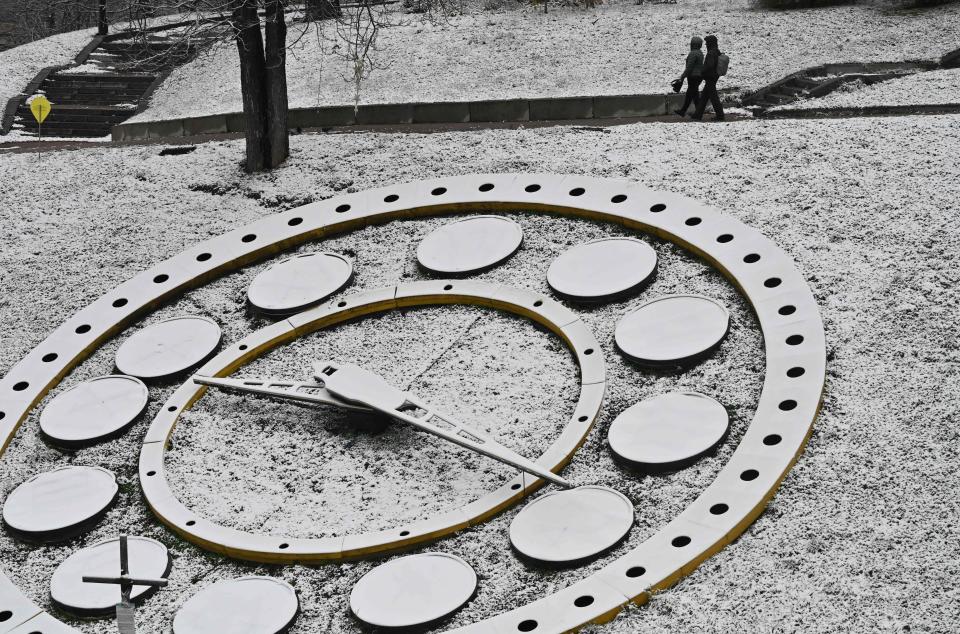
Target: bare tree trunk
102,17
278,135
246,26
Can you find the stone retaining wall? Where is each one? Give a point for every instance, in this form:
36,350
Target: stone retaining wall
507,110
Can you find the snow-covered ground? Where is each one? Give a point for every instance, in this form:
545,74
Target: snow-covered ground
619,47
19,65
934,87
860,536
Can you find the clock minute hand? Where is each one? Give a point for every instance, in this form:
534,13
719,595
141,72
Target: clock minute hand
360,386
312,393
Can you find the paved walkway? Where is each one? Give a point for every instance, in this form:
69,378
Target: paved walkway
23,146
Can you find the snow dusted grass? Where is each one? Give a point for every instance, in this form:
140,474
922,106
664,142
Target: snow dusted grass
616,48
864,206
934,87
19,65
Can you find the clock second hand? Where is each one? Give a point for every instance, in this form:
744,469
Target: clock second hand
362,387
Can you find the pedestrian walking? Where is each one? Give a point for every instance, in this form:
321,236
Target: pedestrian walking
714,66
693,71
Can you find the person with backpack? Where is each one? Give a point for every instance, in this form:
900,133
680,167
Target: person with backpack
692,73
714,66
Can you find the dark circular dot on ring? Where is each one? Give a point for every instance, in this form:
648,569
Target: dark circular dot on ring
787,310
515,486
191,522
619,198
341,304
150,474
583,419
772,282
486,187
203,257
772,439
404,533
250,237
796,372
577,191
588,351
750,258
6,615
3,415
794,340
160,279
538,303
293,222
788,405
658,208
636,571
724,238
439,191
120,302
342,209
584,601
172,408
392,198
692,222
719,509
680,541
284,546
531,188
527,626
50,356
20,386
82,329
448,287
749,474
243,346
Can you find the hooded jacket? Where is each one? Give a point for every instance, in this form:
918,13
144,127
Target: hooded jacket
694,66
710,61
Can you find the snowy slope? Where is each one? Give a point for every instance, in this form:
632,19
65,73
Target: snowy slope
19,65
617,48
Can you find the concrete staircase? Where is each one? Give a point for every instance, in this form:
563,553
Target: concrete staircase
821,80
110,86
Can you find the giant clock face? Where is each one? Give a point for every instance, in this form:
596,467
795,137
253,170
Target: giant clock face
455,293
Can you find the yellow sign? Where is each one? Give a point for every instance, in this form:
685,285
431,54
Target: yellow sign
40,107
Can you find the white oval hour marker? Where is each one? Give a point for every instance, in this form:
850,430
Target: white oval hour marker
570,527
297,283
169,347
59,504
469,244
148,559
248,605
604,269
668,432
672,330
413,591
94,410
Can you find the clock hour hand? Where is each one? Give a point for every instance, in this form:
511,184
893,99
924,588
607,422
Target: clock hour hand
303,392
359,386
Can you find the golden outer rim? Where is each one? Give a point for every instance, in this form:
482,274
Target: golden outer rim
760,269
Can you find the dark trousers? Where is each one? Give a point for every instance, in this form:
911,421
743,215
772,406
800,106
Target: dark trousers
693,94
709,92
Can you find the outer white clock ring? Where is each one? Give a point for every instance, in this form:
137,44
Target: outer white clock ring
763,272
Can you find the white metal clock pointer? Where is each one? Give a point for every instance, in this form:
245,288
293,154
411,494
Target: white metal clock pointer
348,386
